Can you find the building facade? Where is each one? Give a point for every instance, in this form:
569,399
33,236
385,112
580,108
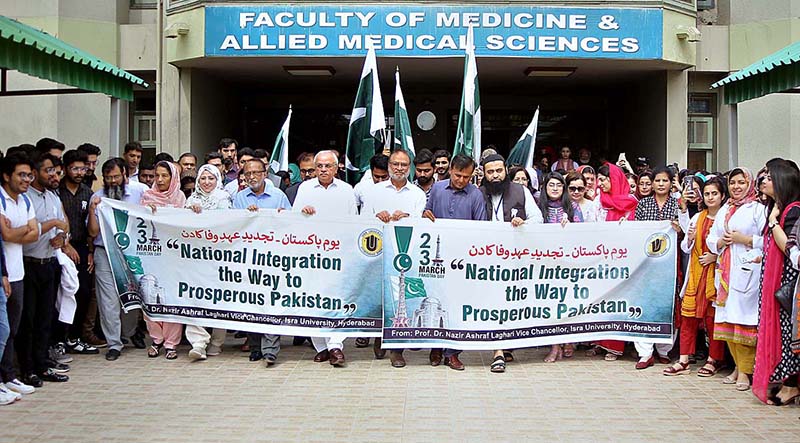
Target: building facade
616,76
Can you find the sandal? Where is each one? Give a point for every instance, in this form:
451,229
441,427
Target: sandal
569,350
499,364
610,356
731,378
595,351
709,369
154,350
554,355
508,356
171,354
677,368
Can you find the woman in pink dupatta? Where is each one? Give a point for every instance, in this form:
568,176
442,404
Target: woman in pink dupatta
775,361
165,192
616,204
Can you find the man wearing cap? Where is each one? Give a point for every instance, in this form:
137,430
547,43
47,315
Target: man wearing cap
642,164
506,202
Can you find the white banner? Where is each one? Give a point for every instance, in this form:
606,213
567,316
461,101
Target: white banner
482,285
278,273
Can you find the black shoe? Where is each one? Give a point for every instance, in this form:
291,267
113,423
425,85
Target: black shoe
112,355
33,380
256,355
137,340
53,376
240,334
298,341
59,368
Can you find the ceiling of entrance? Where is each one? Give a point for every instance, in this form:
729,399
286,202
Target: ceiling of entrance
496,74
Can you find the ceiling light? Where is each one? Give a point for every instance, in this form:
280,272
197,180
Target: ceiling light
310,71
549,72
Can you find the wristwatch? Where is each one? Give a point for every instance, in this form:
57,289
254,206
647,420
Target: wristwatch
772,225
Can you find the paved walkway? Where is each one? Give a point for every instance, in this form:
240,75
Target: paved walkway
228,398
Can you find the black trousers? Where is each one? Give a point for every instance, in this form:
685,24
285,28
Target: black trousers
38,310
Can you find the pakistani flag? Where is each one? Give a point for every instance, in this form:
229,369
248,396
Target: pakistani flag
415,287
280,153
367,122
468,133
522,153
402,127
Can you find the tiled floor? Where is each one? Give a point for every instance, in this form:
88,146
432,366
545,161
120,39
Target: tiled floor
228,398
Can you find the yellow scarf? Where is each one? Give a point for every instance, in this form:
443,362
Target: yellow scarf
700,289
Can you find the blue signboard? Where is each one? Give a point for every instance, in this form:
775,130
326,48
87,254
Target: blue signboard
406,30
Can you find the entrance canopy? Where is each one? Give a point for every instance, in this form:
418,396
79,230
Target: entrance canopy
37,53
778,72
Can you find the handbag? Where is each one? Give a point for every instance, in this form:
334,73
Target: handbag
785,295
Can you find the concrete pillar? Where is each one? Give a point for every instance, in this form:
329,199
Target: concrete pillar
677,117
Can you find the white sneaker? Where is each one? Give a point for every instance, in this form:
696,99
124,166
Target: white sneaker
20,387
8,397
197,354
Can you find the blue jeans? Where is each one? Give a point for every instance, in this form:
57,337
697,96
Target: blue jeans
4,327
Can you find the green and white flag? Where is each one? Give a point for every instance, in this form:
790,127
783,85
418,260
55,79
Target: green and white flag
280,153
402,126
468,133
522,153
367,122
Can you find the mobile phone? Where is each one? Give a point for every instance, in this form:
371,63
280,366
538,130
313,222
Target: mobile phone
687,185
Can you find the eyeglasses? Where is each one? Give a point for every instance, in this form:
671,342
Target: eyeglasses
402,165
26,177
253,173
307,171
577,189
50,170
77,169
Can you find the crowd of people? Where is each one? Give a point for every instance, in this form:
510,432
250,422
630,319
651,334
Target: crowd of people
737,272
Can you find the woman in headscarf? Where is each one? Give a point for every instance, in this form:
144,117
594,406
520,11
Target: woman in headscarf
737,239
698,291
590,179
616,204
775,361
557,207
165,192
208,195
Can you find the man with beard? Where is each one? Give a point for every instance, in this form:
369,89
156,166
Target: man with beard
188,161
19,227
258,195
92,153
41,277
506,202
455,198
391,201
76,196
441,162
227,148
147,174
423,170
114,323
326,196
